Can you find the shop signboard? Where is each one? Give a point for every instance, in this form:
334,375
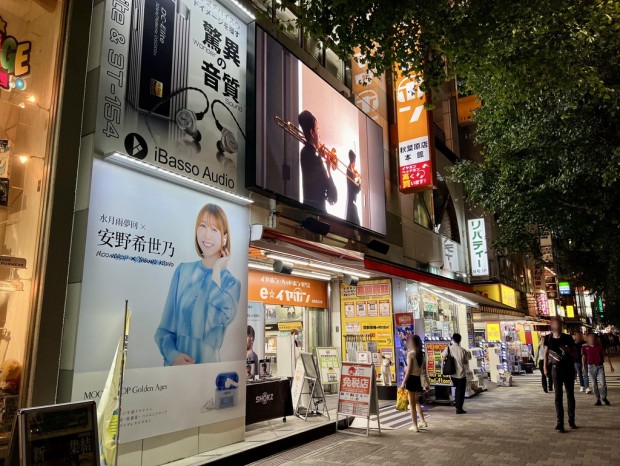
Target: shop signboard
570,311
489,291
403,331
493,331
478,247
564,287
314,148
509,296
552,307
434,362
450,255
286,290
329,365
256,331
362,330
415,144
466,107
354,395
172,87
184,273
542,304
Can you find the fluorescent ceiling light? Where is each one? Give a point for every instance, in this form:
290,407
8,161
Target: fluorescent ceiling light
148,169
329,268
268,268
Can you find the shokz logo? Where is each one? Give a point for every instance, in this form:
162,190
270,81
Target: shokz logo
14,60
264,398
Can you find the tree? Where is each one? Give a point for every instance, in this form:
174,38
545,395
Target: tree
548,74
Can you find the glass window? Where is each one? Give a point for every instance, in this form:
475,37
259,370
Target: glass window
334,64
423,208
27,92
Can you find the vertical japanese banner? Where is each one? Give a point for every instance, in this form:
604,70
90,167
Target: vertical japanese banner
434,362
184,271
478,247
415,142
172,87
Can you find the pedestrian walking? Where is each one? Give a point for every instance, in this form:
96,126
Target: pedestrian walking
582,371
459,378
546,380
416,380
560,351
594,359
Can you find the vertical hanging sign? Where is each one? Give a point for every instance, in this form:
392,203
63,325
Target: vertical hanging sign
415,146
478,247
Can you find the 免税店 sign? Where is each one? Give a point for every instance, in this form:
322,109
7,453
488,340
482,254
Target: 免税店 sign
478,247
286,290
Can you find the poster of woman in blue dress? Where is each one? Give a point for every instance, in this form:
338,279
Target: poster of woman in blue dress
203,298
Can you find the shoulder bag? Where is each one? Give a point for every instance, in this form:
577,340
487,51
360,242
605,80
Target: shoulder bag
449,364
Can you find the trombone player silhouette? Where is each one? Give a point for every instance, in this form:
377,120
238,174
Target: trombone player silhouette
317,182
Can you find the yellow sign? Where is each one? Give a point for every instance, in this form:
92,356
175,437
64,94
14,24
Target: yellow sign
500,293
366,318
493,332
465,108
509,296
489,291
570,311
289,326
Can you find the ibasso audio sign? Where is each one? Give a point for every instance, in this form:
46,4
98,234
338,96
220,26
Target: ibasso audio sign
172,87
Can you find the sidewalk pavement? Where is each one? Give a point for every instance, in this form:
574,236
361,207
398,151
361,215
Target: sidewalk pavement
508,425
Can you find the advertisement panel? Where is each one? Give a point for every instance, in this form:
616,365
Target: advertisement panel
255,342
434,362
363,330
403,330
286,290
355,389
329,365
478,247
172,87
184,273
415,144
313,146
494,332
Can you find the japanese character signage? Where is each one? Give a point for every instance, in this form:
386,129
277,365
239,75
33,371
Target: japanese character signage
366,314
434,363
14,60
355,391
478,247
180,258
415,145
172,87
450,255
286,290
329,365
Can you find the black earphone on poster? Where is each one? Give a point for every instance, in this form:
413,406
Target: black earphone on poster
187,121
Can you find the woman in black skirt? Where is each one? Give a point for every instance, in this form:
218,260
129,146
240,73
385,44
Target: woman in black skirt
415,375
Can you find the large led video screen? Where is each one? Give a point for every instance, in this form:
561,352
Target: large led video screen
313,146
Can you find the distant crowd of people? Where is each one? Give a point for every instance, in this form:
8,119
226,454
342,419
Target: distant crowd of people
564,359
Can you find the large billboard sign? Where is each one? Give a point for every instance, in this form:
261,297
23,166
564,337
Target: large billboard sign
184,273
172,87
415,143
314,147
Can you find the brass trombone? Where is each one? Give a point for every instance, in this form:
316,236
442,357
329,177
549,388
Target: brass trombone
329,156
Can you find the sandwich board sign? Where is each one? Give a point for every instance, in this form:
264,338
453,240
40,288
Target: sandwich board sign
357,395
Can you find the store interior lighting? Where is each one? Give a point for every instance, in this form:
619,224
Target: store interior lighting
297,273
132,163
442,294
328,268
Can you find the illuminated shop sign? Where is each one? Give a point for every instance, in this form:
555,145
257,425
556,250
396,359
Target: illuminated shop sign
478,247
14,60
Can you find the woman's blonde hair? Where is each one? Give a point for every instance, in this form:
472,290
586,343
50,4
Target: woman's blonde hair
215,216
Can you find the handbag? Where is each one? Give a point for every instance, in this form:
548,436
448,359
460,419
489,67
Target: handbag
449,364
402,399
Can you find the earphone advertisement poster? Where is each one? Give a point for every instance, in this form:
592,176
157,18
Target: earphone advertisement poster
172,87
180,259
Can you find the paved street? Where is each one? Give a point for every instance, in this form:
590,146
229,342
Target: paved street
508,425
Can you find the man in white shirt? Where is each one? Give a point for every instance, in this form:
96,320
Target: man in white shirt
459,379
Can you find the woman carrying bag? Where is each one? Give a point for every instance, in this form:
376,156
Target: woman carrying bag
416,380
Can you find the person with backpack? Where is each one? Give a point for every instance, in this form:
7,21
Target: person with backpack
456,362
560,352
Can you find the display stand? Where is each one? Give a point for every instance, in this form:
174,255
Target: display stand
312,388
357,397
